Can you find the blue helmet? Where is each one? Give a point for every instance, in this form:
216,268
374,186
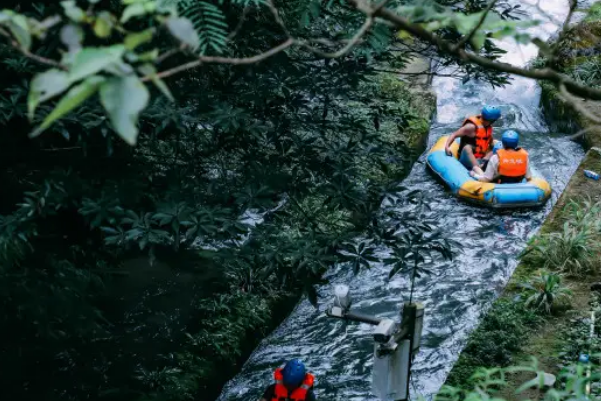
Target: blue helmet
294,373
510,139
497,146
491,113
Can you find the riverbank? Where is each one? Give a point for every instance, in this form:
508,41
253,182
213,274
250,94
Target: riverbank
567,245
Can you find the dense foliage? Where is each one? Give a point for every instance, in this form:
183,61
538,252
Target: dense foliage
142,272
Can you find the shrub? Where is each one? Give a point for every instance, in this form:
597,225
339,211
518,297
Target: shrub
546,292
575,248
486,384
499,335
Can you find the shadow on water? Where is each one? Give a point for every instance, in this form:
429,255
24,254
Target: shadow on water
458,292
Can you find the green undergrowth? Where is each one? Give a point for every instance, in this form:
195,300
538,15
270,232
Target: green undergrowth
568,248
233,323
493,344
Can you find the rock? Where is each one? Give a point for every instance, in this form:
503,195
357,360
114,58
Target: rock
596,287
549,380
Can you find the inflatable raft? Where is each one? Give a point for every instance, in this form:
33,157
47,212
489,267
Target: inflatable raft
525,194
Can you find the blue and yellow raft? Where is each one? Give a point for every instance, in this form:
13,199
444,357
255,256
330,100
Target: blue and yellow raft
500,196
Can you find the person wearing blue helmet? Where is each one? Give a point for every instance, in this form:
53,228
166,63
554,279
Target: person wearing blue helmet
292,383
509,164
475,146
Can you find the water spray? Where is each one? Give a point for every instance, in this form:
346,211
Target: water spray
395,344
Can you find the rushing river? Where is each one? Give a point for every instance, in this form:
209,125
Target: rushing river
455,297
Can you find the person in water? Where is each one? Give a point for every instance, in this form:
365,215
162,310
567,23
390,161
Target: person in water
292,383
509,163
475,146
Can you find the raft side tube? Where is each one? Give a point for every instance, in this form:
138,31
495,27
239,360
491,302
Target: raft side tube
526,194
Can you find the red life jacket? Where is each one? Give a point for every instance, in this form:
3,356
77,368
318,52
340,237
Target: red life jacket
513,164
483,141
281,392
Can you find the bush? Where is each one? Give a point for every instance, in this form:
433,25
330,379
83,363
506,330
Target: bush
545,293
486,384
497,338
575,249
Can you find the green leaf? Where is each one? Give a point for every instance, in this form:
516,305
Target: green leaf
103,25
210,24
466,23
119,68
149,56
183,30
149,70
72,36
522,38
76,96
6,15
167,7
405,36
45,86
137,10
92,60
123,99
478,40
134,40
74,13
20,30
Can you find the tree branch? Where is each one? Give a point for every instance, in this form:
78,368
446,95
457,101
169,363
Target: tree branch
583,132
469,36
223,60
277,17
29,55
448,48
369,21
578,104
241,21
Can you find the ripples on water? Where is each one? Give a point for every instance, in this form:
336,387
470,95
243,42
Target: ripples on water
458,293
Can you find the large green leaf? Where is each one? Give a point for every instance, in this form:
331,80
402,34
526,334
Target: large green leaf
45,86
19,28
138,9
123,99
72,36
6,15
76,96
92,60
74,13
149,70
103,25
134,40
183,30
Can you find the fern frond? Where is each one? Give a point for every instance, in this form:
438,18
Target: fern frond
245,3
209,22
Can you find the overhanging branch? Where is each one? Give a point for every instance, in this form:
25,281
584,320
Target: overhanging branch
448,48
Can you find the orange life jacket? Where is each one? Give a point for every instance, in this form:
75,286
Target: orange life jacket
483,141
281,392
513,164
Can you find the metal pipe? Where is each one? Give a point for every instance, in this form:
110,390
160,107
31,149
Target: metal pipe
362,318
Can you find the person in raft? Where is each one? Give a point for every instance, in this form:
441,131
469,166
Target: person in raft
292,383
475,146
509,163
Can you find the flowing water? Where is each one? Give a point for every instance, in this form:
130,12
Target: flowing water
457,294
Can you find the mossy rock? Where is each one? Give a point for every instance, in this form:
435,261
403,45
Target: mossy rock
580,40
